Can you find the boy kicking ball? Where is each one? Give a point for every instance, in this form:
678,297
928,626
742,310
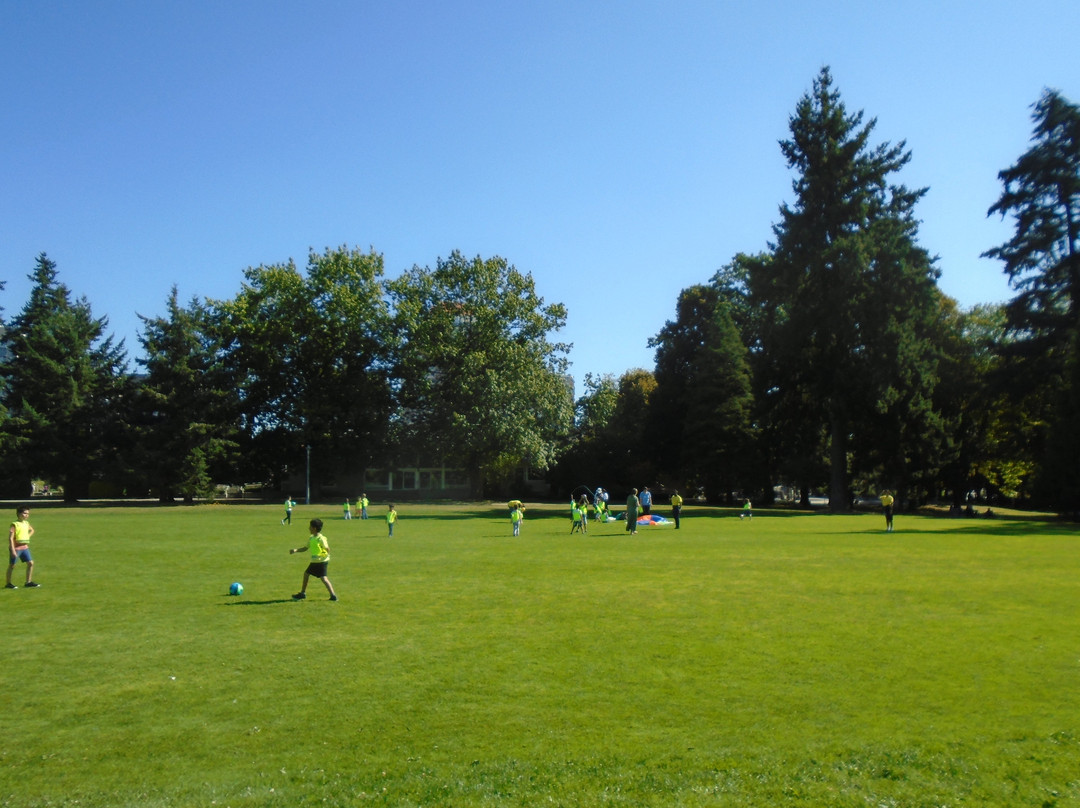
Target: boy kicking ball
319,549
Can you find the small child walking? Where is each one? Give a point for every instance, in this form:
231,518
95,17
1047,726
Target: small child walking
747,513
319,549
348,509
516,516
391,517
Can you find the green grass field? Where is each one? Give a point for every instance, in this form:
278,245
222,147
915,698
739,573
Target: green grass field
791,660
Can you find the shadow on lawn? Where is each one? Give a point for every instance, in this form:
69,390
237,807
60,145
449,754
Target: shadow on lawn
259,602
1004,527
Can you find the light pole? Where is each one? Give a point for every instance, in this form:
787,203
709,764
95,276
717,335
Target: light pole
307,496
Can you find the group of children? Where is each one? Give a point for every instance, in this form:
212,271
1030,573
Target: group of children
21,531
362,503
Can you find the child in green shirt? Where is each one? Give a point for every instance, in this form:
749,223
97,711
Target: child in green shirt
319,549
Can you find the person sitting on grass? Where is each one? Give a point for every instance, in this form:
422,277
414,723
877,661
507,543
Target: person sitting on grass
319,549
601,510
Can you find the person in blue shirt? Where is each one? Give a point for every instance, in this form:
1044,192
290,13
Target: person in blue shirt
645,498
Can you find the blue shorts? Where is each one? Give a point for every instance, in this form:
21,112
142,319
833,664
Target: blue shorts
21,554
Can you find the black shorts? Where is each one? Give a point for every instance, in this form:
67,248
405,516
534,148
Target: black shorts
318,568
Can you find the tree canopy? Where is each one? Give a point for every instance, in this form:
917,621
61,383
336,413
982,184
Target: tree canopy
828,362
479,378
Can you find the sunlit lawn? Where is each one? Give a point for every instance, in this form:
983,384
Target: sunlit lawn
791,660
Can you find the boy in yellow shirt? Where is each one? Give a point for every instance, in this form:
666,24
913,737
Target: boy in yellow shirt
319,549
19,546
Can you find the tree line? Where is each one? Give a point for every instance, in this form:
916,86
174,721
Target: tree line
832,362
829,362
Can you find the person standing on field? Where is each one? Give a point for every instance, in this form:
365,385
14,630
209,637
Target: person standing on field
583,506
391,517
676,507
319,549
575,517
19,546
363,506
288,510
646,501
631,512
887,506
516,516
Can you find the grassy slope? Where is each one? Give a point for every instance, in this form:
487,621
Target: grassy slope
799,660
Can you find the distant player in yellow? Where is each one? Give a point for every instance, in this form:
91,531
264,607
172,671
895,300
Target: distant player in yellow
516,516
19,546
391,517
576,517
887,506
676,507
364,502
348,509
747,512
319,549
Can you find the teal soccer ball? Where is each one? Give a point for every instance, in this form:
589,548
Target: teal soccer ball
236,588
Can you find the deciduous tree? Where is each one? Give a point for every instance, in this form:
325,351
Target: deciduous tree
310,355
480,381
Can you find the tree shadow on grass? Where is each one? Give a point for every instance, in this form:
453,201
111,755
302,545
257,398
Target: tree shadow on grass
989,529
456,516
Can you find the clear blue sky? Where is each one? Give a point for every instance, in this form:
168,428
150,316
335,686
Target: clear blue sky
618,151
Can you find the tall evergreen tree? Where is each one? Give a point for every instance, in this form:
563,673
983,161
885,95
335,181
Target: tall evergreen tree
1042,196
188,408
848,293
588,457
701,409
679,345
717,433
69,392
627,432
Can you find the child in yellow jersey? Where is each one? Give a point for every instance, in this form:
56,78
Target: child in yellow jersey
887,506
391,517
576,517
319,550
19,546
